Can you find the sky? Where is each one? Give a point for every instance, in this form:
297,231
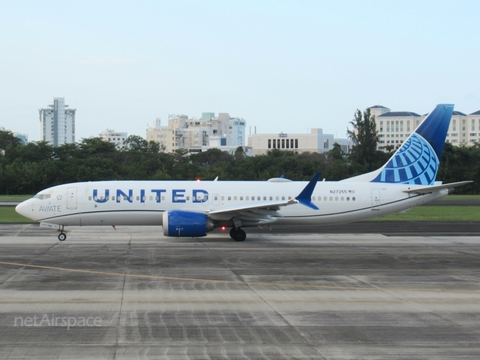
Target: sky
281,65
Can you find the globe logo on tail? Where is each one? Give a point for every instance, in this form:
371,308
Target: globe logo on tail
414,163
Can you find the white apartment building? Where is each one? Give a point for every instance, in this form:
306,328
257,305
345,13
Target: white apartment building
57,123
394,127
116,137
198,134
316,141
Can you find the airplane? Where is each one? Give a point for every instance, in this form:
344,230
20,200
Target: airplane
193,208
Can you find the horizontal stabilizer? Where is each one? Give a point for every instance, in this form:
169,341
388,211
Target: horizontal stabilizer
429,189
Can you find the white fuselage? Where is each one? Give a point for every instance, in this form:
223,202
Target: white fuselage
143,202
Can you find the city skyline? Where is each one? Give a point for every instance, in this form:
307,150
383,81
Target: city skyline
282,66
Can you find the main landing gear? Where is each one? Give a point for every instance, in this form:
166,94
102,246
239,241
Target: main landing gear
238,234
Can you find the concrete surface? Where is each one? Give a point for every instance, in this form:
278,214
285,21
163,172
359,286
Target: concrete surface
275,296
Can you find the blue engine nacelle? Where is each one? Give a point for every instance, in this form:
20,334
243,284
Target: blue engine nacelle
181,223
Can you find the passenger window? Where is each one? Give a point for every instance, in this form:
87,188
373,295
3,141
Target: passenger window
241,198
138,198
271,198
246,198
89,198
283,197
331,198
229,198
163,198
353,198
234,198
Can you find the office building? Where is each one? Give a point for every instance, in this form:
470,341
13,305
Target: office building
316,141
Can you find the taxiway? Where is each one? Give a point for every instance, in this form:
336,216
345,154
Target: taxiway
274,296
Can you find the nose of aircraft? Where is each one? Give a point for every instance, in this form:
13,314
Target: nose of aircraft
25,208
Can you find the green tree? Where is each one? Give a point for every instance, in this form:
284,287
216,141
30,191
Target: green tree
135,143
364,136
8,139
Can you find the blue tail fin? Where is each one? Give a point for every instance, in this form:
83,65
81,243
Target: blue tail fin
418,159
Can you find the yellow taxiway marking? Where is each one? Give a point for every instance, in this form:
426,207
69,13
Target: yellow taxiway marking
249,283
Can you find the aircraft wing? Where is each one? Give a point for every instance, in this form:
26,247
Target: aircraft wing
264,212
273,205
430,188
253,214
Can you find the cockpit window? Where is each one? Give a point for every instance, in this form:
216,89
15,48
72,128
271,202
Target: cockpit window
42,196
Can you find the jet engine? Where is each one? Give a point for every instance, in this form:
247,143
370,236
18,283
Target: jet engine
181,223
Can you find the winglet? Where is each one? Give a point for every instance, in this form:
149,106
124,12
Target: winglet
305,197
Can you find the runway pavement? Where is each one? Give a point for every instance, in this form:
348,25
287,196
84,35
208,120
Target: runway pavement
134,294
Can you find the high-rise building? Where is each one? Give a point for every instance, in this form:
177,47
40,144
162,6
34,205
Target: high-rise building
57,123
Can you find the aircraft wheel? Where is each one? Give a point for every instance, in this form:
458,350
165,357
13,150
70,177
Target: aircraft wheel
238,234
62,236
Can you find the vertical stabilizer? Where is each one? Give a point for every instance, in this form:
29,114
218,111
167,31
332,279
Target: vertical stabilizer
418,159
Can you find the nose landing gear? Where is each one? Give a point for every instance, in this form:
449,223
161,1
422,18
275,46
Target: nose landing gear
62,236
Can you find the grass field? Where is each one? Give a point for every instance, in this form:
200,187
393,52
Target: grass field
436,213
15,197
8,215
